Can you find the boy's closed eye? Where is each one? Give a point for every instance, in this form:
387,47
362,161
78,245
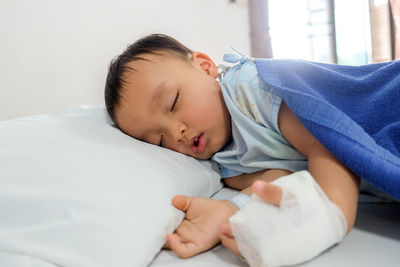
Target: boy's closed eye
171,110
175,101
160,144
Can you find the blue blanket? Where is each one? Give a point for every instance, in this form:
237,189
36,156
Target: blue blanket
354,111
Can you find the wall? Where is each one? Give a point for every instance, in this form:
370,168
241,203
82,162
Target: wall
55,53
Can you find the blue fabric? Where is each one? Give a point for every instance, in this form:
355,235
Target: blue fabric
354,111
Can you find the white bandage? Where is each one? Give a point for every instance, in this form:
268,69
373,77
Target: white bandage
305,224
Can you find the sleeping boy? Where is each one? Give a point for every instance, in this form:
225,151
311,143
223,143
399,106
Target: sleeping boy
163,93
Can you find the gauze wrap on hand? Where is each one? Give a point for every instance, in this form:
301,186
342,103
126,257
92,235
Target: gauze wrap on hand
304,225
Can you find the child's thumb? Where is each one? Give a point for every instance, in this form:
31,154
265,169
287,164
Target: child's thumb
270,193
181,202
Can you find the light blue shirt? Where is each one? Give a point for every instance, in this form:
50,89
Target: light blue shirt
257,143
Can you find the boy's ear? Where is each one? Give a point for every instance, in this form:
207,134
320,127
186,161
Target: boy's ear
205,63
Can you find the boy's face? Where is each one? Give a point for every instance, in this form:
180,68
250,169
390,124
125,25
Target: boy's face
175,103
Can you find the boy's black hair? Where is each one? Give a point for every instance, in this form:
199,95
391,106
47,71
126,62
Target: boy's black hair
151,44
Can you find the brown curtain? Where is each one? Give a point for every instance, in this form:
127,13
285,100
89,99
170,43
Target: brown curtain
260,39
395,6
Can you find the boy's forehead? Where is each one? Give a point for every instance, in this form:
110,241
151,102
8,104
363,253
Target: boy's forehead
142,85
142,61
139,72
146,67
150,70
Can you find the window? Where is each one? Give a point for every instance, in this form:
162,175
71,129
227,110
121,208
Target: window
332,31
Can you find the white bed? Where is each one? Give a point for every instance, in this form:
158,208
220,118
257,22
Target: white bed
76,192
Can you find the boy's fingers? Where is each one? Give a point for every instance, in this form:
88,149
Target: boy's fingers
227,238
230,243
183,250
270,193
166,245
226,229
182,202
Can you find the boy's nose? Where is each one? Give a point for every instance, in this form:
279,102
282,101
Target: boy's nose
178,131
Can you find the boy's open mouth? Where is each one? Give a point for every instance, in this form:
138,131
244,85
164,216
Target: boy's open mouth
196,141
198,144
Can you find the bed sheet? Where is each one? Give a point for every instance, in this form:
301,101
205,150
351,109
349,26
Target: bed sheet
374,241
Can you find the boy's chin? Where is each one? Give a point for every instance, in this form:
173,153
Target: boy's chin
202,156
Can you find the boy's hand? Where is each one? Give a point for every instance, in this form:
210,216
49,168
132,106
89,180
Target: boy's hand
270,193
199,231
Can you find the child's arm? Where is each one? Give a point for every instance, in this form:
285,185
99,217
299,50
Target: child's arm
244,181
336,180
338,183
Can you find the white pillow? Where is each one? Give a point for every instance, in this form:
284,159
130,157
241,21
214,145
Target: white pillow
75,191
